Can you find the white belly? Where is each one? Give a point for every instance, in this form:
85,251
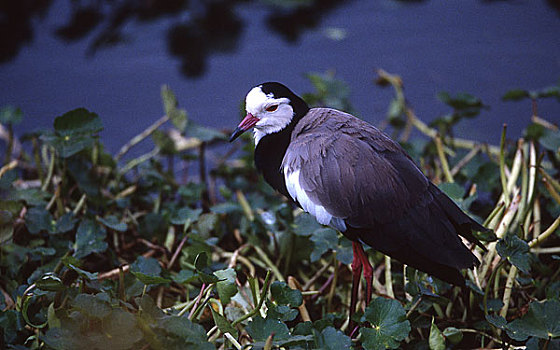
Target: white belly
318,211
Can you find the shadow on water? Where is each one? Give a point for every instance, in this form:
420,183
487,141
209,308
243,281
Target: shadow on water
291,23
216,29
198,30
16,27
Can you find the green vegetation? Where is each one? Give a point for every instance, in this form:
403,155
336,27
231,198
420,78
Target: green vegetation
172,251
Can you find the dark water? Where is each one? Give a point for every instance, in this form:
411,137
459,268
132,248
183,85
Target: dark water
113,58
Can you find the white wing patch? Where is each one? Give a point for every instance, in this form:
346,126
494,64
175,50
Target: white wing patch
318,211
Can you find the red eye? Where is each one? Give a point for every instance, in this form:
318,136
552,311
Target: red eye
272,108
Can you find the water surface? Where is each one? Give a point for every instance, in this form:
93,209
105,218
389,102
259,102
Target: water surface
211,59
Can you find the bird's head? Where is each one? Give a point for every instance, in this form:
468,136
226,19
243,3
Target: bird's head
270,107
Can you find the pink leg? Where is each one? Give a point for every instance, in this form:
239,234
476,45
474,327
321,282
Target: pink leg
368,270
356,273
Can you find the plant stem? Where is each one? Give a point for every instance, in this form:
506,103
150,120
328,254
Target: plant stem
443,159
245,205
253,312
503,165
508,289
501,230
138,138
389,277
139,160
233,341
202,290
333,284
549,231
80,204
465,160
269,263
50,171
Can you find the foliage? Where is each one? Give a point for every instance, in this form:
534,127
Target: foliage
158,252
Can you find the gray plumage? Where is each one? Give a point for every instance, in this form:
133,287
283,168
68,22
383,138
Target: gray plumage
360,175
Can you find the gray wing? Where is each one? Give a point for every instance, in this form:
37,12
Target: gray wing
352,169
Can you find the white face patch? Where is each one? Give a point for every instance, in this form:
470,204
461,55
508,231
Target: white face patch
318,211
272,120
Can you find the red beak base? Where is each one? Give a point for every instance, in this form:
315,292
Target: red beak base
247,123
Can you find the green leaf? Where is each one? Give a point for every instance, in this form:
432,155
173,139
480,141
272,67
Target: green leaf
185,215
50,283
65,223
305,224
515,250
69,145
226,285
284,295
201,263
62,339
6,225
39,219
226,208
331,92
515,95
152,224
77,121
453,190
31,196
10,115
92,305
223,324
550,140
184,334
80,170
389,325
461,101
552,290
436,340
90,238
260,329
178,116
283,313
147,270
396,108
74,132
83,273
204,134
120,330
550,91
40,252
496,321
453,334
332,339
52,319
207,223
184,276
11,206
493,305
170,332
112,222
164,142
541,321
325,239
344,252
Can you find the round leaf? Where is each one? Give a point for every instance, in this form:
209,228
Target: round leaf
389,325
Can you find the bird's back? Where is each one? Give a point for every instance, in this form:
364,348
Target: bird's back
361,176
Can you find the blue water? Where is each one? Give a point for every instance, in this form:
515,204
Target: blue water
481,47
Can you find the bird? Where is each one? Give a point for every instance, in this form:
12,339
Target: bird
353,177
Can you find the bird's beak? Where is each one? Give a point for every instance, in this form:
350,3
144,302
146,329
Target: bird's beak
247,123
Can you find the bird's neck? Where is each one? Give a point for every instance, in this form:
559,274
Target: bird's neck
270,151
